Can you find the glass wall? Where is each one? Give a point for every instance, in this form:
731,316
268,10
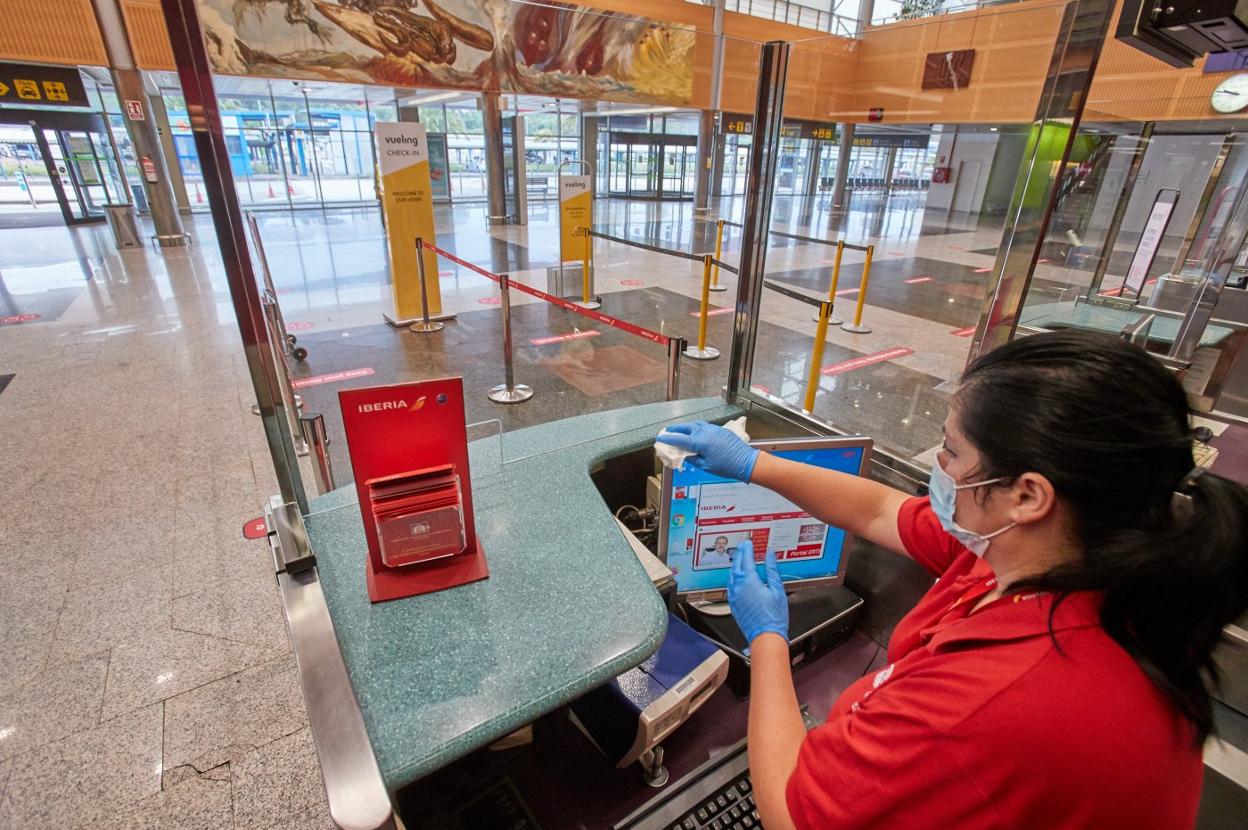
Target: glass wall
289,143
552,136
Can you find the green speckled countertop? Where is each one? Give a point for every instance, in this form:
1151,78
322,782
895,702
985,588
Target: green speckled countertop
567,605
1112,320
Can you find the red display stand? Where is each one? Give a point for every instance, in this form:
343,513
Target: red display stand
409,445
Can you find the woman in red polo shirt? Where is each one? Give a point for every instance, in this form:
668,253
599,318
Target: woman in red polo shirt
1054,674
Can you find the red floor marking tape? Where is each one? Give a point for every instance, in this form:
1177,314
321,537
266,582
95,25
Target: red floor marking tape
333,377
300,325
18,318
1112,292
563,338
490,301
845,292
714,312
445,274
917,280
865,360
983,270
632,282
1043,260
766,390
896,253
255,529
966,332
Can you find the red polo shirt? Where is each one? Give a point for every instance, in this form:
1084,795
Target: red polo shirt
980,721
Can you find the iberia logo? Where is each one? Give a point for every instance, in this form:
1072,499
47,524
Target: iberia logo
383,406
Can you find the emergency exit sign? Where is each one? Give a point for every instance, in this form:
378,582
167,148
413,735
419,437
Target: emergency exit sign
28,83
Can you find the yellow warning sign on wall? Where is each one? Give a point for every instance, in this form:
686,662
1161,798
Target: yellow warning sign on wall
576,217
407,201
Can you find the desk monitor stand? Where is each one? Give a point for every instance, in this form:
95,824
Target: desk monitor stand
712,609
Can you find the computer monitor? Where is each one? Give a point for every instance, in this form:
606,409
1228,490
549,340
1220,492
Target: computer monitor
703,517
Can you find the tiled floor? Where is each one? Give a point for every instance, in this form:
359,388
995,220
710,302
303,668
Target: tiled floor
145,675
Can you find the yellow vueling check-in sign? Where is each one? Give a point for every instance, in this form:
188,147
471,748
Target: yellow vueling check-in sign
407,200
576,217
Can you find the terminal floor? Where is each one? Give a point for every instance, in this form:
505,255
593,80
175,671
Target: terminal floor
145,675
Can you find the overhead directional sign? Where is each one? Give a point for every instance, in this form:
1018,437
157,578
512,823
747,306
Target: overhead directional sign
26,83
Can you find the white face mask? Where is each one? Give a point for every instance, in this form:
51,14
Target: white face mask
944,494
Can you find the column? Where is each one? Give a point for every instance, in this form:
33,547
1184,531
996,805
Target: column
406,114
156,103
706,152
890,163
717,164
840,195
495,183
812,169
589,141
140,125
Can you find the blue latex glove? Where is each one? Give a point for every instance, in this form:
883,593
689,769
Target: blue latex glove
719,451
757,606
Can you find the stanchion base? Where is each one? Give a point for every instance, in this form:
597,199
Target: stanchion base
832,321
421,327
402,324
516,394
850,327
719,288
709,353
596,302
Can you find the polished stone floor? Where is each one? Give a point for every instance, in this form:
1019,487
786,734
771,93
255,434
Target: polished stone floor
146,679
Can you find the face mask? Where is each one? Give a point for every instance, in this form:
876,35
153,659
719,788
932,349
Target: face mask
944,493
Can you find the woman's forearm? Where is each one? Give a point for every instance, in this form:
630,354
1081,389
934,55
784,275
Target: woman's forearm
855,504
776,730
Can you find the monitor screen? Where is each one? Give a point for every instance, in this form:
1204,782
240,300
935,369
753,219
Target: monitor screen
706,518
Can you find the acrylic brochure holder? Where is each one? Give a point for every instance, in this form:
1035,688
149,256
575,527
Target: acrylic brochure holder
409,454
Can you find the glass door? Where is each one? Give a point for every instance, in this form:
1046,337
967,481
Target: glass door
643,171
736,163
673,172
617,168
95,186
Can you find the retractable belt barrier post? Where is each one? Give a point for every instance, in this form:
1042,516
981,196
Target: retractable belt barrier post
816,356
424,325
587,290
702,351
508,391
675,348
857,327
836,278
719,250
312,424
821,335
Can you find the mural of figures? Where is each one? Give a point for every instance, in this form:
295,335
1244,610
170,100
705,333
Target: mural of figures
543,49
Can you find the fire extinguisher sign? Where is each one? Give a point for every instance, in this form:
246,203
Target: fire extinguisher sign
149,169
134,110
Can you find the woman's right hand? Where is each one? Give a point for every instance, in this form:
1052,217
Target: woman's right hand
718,451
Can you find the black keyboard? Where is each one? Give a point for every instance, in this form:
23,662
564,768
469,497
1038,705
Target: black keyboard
716,796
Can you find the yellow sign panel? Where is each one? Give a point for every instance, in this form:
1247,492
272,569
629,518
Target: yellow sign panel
407,201
28,90
576,217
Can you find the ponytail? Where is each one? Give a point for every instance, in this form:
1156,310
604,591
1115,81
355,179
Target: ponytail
1169,589
1166,545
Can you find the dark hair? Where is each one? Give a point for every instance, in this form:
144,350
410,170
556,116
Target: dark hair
1108,426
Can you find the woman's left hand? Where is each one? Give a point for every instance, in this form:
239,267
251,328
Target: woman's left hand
757,606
